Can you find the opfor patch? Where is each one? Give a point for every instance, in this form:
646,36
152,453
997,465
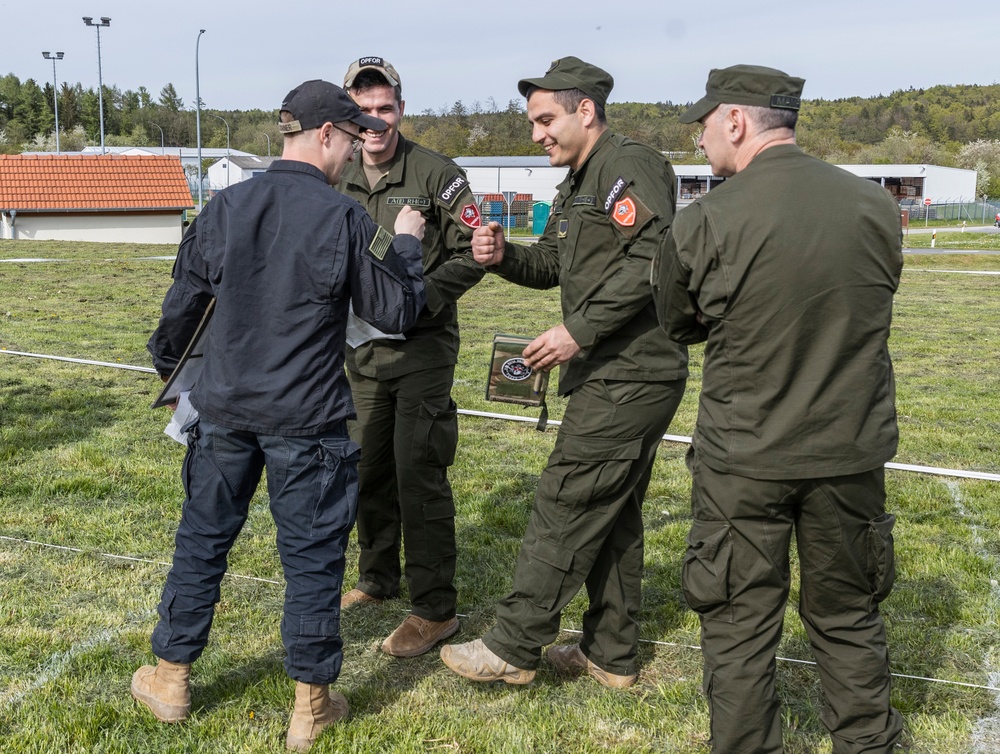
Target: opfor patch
470,216
625,212
515,370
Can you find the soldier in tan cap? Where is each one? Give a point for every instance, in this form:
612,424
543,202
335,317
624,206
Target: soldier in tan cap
787,272
624,382
407,421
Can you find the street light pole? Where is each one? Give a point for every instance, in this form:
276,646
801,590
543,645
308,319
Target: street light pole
264,134
229,160
105,21
161,136
55,91
197,116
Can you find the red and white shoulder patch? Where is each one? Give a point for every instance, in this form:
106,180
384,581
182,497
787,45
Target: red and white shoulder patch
470,216
624,212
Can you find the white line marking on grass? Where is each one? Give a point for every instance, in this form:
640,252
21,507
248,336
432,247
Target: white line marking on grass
993,680
111,556
56,665
986,731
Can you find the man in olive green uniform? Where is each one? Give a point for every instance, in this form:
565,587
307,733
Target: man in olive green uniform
407,423
623,377
787,271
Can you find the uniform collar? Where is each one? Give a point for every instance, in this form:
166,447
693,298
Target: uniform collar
603,139
295,166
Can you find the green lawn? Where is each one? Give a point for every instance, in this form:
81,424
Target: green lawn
84,465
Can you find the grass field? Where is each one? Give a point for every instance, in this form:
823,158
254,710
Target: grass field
90,496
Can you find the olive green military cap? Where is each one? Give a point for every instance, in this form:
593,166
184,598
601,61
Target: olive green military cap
573,73
747,85
371,63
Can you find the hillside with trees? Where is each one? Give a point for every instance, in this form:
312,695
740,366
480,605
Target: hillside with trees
955,126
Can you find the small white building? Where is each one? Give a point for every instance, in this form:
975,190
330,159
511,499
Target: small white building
917,183
236,168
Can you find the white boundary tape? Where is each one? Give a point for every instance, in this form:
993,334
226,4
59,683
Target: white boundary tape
937,471
101,638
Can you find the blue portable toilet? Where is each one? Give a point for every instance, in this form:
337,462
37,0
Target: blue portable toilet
540,216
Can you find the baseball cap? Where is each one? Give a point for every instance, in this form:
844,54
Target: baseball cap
747,85
316,102
573,73
371,63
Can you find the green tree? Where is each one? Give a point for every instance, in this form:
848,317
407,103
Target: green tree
170,100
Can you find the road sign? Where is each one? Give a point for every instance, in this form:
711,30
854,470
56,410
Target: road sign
927,201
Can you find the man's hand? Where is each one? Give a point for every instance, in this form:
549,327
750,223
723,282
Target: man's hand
410,222
487,244
550,349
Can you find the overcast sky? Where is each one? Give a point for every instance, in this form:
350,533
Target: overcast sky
252,53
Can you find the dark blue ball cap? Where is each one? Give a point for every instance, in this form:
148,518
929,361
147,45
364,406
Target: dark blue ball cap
316,102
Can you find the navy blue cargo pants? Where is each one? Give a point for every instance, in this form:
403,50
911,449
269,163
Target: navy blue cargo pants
312,482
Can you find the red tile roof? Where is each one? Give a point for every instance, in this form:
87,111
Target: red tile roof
92,182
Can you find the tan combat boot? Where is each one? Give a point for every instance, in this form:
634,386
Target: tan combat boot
570,660
316,707
165,689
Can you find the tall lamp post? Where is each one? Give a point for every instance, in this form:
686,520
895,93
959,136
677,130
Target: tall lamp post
55,90
228,159
264,134
197,115
105,21
161,136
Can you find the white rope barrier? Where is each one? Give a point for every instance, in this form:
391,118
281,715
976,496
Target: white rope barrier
933,470
653,642
88,362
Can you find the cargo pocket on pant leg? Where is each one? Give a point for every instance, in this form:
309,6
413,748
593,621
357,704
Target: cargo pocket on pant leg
316,647
542,583
598,469
705,571
435,435
337,495
881,556
163,633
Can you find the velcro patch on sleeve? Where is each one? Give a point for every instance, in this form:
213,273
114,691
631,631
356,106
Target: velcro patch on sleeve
630,215
617,189
453,190
380,243
469,214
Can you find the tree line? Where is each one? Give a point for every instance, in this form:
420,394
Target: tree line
954,126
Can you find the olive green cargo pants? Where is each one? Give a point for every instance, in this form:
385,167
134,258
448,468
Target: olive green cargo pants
586,526
736,577
407,428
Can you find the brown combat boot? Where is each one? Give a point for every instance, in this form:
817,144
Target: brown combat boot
357,597
316,707
416,635
165,689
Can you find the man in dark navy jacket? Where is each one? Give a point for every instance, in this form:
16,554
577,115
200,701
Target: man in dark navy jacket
283,256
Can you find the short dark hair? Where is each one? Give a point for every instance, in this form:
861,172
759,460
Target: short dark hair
570,99
370,79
